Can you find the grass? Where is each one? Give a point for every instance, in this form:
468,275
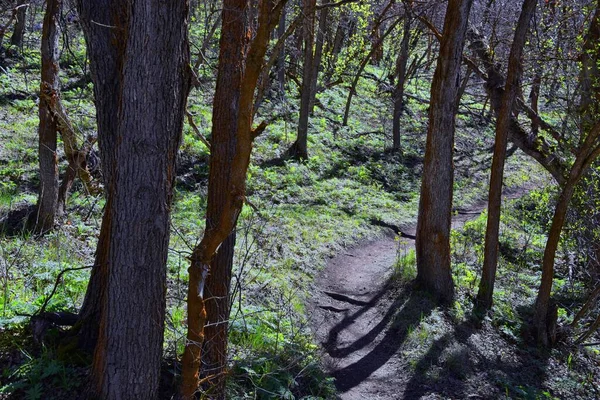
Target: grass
305,213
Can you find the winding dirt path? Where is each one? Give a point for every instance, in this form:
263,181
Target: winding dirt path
354,316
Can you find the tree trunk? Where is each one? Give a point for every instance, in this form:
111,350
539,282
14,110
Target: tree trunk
534,146
300,147
398,96
19,30
240,64
281,56
141,88
48,192
316,65
490,260
435,207
361,68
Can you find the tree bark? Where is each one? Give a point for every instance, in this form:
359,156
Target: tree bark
19,29
316,65
48,193
300,147
435,206
587,154
534,146
490,260
240,64
139,60
281,56
398,96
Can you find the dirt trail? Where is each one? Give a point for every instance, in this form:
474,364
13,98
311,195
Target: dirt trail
354,317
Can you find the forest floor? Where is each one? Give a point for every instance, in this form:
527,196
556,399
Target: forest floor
383,339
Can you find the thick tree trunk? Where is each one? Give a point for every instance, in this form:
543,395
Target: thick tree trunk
490,260
141,88
300,147
48,192
240,64
398,96
435,207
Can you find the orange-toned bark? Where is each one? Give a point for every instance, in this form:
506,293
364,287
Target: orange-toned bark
230,179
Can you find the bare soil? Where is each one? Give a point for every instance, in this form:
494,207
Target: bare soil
382,339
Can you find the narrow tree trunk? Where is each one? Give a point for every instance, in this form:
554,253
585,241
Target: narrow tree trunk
240,64
341,32
398,96
19,30
361,68
281,56
536,147
316,65
534,97
141,88
300,147
490,260
435,207
48,192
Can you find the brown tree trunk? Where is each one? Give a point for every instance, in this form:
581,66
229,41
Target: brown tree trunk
490,260
362,66
341,32
48,193
534,96
316,65
300,147
588,151
19,30
435,207
534,146
141,88
240,64
281,56
398,96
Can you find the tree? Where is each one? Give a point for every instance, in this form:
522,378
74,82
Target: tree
544,321
19,30
435,206
300,147
242,49
139,59
486,285
47,203
398,94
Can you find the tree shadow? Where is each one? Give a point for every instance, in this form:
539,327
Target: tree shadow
455,366
397,322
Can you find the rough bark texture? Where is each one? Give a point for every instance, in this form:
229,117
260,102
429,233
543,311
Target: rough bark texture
48,192
140,67
490,260
240,64
435,207
398,95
